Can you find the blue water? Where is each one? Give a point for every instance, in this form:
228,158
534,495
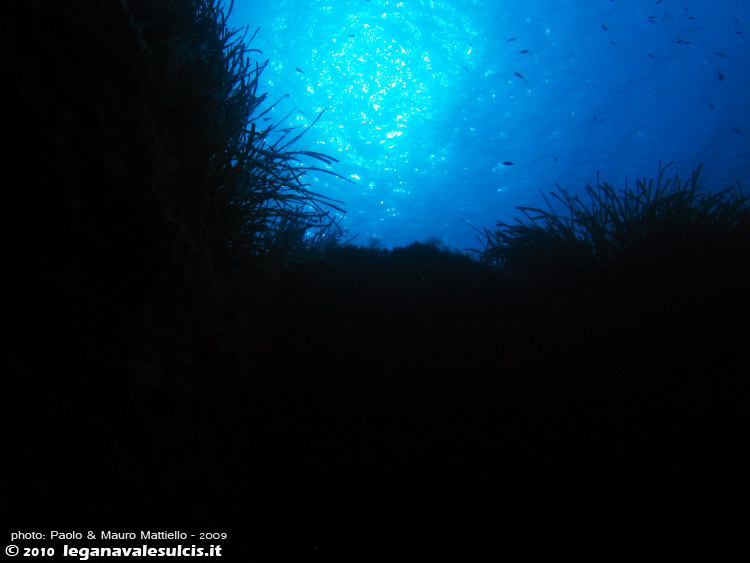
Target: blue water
424,106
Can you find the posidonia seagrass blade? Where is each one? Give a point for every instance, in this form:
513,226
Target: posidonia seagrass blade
658,213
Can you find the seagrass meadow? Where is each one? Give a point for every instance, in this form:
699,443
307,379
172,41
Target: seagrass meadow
193,342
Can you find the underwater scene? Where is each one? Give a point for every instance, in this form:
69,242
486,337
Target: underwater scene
376,280
455,112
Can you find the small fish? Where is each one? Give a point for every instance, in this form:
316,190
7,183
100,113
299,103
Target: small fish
519,75
612,43
508,163
721,76
466,69
604,27
720,54
351,35
680,41
512,39
652,19
299,70
658,1
555,159
737,130
652,55
713,107
524,51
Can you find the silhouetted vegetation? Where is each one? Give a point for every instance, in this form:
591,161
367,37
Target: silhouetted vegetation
237,184
662,220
